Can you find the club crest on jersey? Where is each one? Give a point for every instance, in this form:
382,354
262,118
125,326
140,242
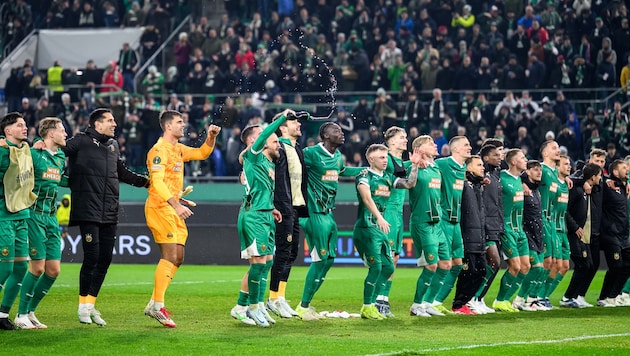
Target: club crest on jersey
382,191
331,176
272,174
157,160
88,238
4,251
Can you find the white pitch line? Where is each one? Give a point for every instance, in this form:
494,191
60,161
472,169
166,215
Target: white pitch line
150,283
474,346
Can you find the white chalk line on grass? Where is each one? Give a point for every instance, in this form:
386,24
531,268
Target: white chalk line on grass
474,346
151,283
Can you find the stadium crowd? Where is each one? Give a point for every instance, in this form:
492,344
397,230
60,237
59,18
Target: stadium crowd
520,71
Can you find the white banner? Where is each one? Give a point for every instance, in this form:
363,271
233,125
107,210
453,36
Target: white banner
73,48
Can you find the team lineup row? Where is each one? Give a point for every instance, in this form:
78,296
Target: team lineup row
465,213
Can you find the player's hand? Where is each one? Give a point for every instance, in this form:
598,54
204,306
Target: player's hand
183,212
587,188
3,143
383,225
526,190
579,233
611,184
277,215
213,130
569,182
187,191
628,190
39,145
486,181
416,157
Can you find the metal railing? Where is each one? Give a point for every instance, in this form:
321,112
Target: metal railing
160,51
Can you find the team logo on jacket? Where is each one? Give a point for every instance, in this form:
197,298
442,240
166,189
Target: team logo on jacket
616,256
465,267
4,251
88,237
584,254
289,238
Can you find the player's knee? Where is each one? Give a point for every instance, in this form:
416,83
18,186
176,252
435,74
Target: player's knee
525,268
432,267
53,272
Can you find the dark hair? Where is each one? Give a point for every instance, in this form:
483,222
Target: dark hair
616,163
98,115
492,141
8,120
486,150
248,131
324,127
532,163
590,170
168,116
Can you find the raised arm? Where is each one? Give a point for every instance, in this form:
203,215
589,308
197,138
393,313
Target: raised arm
203,152
260,142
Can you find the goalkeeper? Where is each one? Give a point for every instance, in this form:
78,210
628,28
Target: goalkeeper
164,209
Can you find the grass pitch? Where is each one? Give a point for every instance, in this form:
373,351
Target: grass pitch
201,298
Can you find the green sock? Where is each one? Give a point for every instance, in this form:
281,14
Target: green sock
449,283
387,287
626,287
542,286
243,298
422,285
6,268
26,293
369,284
546,287
13,285
255,273
263,280
383,278
553,285
42,287
518,281
436,284
529,282
311,283
484,282
322,276
507,281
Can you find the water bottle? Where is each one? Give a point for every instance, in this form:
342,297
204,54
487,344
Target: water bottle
301,115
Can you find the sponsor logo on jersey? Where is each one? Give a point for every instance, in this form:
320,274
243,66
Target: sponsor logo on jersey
88,238
563,198
272,174
435,183
459,184
331,175
553,187
382,191
178,167
52,173
518,196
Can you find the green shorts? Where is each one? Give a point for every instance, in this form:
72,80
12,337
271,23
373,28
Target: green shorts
320,231
536,257
256,230
395,219
514,243
429,239
550,241
373,246
564,249
13,239
44,237
454,239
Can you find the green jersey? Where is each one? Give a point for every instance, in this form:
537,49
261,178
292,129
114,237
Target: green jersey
5,214
425,197
560,206
48,167
259,172
397,197
513,201
381,187
324,169
453,178
548,191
